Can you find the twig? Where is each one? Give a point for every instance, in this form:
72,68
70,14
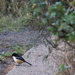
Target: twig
69,44
51,43
68,10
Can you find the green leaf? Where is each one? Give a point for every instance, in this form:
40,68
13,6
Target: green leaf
42,4
33,1
71,36
53,14
63,67
58,3
44,21
49,28
37,11
72,3
63,26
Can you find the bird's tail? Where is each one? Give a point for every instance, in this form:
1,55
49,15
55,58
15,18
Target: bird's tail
28,63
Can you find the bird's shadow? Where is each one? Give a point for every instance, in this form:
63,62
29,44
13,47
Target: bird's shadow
27,65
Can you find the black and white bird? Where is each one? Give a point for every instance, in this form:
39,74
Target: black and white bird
18,59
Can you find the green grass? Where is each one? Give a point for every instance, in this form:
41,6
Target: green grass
19,49
6,54
11,23
8,23
2,58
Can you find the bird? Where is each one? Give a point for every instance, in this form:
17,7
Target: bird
18,59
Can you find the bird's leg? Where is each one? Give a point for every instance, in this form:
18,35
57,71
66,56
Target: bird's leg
17,64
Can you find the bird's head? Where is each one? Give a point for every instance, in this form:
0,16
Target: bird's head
14,54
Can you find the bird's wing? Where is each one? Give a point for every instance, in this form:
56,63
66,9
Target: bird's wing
20,58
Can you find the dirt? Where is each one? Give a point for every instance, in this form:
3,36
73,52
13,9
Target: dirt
25,37
6,65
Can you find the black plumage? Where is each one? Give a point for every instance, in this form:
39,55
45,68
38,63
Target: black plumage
19,58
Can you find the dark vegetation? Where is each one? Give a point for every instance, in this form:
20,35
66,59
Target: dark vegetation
56,17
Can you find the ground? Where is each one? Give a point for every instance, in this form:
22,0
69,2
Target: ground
25,37
40,64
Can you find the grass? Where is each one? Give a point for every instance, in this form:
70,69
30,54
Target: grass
11,23
6,54
8,23
1,58
19,49
15,49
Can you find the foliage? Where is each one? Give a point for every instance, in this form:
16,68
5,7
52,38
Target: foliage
58,18
9,23
62,69
1,58
15,18
2,7
15,49
8,54
20,49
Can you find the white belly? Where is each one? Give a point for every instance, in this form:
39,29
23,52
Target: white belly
14,59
